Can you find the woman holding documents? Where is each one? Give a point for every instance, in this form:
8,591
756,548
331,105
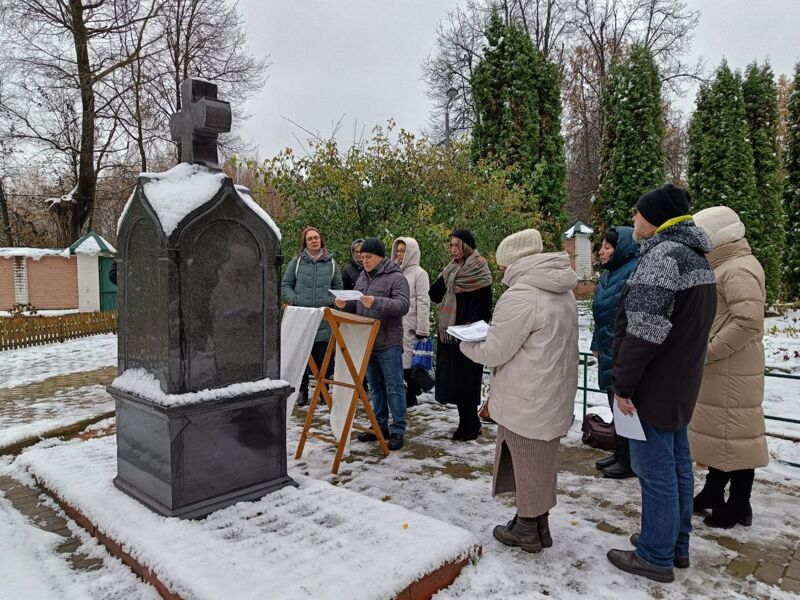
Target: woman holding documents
464,290
532,345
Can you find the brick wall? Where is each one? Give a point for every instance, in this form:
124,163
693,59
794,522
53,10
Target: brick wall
53,282
6,283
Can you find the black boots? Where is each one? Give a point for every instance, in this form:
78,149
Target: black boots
531,535
712,496
368,436
520,533
606,462
395,441
737,510
302,398
620,468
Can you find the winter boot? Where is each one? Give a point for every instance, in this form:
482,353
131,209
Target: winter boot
680,562
395,441
543,527
606,462
630,562
712,496
368,436
737,510
520,533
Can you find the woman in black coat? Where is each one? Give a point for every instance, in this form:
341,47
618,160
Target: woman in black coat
464,289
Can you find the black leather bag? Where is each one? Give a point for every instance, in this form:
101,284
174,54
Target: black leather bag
424,378
597,433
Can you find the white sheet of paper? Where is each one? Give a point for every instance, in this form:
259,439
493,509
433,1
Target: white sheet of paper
628,427
346,295
474,332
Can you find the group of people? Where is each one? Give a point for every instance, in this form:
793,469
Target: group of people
679,318
396,290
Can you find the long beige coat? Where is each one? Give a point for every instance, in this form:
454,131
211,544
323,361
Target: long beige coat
727,427
532,345
417,320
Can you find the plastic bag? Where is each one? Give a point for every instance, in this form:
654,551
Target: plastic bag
422,355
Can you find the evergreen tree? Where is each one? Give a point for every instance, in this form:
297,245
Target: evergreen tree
634,139
761,108
720,154
791,192
517,98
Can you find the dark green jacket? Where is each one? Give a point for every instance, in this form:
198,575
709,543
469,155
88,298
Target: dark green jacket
308,285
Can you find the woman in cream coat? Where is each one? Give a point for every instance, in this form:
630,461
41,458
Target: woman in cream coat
532,346
416,322
726,432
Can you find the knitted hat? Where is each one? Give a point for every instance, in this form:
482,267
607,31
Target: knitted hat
662,204
611,236
374,246
721,223
518,245
465,235
303,237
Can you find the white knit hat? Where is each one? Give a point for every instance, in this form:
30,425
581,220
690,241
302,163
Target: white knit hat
721,223
518,245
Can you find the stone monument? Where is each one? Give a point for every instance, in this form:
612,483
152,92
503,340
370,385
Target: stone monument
201,412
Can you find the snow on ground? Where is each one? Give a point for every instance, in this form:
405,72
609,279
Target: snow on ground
46,313
25,418
317,540
37,363
31,568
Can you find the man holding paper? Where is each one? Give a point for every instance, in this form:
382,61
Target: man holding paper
661,333
385,297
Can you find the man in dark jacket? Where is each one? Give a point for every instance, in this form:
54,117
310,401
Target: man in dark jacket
306,282
385,298
659,350
352,271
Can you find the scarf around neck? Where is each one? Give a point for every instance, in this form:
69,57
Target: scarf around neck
473,274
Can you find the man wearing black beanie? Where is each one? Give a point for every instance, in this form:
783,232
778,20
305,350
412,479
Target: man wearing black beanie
660,339
386,298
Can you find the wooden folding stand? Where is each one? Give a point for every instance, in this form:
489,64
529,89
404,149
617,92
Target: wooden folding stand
335,318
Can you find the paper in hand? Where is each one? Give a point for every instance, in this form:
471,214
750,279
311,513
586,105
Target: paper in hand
474,332
628,426
346,295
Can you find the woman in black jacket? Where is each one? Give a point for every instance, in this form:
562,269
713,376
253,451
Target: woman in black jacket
464,289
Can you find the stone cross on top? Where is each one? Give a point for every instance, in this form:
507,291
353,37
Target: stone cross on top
200,121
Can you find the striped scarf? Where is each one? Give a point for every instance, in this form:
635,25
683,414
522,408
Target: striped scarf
473,274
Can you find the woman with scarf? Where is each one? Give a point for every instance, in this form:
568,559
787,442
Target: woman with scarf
464,290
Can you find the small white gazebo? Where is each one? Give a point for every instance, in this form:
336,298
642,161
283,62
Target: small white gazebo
579,246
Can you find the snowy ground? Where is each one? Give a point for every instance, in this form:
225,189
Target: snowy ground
37,363
451,482
31,569
23,418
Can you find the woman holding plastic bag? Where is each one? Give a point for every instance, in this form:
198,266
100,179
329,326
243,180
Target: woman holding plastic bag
416,322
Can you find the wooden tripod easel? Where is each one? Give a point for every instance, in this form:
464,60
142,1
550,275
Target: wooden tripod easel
336,318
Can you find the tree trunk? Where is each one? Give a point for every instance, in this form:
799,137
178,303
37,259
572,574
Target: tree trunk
9,240
82,206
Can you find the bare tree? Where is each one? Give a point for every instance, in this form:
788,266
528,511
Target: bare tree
72,51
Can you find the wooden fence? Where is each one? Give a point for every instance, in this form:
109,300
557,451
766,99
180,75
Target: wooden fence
21,332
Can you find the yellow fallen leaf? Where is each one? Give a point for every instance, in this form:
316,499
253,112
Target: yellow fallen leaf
405,525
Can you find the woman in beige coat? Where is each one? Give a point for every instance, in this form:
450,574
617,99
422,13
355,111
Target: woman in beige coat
532,346
416,322
727,428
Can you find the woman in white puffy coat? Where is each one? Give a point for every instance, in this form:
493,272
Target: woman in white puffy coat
416,322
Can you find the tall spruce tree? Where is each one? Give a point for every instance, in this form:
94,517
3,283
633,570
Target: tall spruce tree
761,108
634,139
720,154
517,97
791,193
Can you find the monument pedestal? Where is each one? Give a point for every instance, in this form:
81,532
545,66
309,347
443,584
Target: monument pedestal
190,460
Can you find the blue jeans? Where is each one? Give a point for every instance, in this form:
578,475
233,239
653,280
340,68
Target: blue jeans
664,466
386,388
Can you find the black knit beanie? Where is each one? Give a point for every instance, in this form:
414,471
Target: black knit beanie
465,235
662,204
612,237
374,246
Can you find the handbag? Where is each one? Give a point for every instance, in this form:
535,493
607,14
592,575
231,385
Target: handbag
483,413
597,433
423,378
422,354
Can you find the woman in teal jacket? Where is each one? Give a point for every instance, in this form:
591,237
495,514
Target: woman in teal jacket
306,282
619,255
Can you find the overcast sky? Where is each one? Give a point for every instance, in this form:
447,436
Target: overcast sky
361,59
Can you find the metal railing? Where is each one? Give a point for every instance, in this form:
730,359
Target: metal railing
585,363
